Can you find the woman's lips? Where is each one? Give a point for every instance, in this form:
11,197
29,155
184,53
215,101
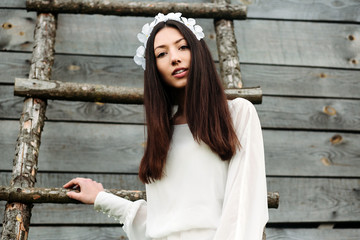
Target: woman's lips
180,73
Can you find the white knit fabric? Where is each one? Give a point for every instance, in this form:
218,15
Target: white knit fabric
202,197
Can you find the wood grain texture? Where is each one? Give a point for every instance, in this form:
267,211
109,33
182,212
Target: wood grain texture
227,51
109,180
116,233
298,43
328,200
17,30
319,10
312,234
274,80
59,195
274,112
69,91
17,215
124,8
110,35
308,113
77,233
117,148
12,3
258,41
315,200
298,153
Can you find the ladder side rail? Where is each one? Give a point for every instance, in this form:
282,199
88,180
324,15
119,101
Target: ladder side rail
228,55
227,51
17,215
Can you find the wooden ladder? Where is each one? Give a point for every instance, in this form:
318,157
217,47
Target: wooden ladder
21,194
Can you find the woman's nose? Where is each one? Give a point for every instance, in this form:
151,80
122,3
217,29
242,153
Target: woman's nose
175,59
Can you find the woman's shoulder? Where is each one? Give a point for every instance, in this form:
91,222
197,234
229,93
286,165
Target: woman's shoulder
240,106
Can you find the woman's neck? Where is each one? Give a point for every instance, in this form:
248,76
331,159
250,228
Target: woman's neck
180,115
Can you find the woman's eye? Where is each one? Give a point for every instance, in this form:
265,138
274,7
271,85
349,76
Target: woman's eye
160,55
184,47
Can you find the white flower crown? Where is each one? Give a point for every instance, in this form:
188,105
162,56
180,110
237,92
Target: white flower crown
139,58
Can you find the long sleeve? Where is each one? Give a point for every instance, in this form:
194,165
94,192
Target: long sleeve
131,214
245,210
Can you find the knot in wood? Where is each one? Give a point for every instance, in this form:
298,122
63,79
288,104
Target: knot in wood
329,110
351,37
326,161
354,61
336,139
7,25
323,75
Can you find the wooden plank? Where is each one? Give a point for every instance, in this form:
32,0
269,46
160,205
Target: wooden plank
311,234
274,112
297,153
319,10
56,180
22,3
298,43
115,233
121,8
77,233
259,41
315,199
117,148
105,33
274,80
17,31
69,91
302,81
301,200
308,113
12,4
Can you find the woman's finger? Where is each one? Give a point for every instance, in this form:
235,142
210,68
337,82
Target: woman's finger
72,182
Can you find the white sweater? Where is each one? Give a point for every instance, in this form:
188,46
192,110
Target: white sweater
202,197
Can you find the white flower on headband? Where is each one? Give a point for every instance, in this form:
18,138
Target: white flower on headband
139,58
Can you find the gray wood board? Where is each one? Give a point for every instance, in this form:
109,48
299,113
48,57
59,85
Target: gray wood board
13,3
274,80
298,43
320,10
259,41
114,148
274,112
57,180
311,234
301,200
116,233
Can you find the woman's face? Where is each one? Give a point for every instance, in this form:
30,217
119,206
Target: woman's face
173,57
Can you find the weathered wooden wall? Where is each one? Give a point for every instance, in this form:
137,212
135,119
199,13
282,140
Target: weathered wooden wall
304,54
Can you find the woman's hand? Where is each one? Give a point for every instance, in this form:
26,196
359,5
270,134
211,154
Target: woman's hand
88,189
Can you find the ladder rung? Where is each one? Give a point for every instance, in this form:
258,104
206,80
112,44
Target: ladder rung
121,8
58,195
58,90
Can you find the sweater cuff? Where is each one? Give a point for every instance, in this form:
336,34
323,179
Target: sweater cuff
112,205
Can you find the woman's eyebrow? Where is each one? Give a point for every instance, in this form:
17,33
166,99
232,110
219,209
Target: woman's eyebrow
163,46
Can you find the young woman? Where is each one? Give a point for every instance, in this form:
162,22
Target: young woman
203,165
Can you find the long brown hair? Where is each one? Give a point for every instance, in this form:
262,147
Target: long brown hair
207,112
